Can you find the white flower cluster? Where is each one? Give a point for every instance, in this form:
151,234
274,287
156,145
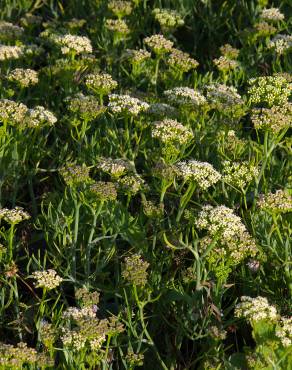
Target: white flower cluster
284,331
101,83
73,339
225,64
232,236
256,309
118,26
10,31
14,216
239,174
229,52
272,14
126,104
220,220
159,44
167,18
171,131
18,114
222,96
8,52
280,201
78,313
137,56
25,77
39,116
185,96
281,43
203,173
73,44
114,167
274,119
273,90
47,279
12,112
181,61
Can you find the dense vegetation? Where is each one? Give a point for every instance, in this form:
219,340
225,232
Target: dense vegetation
145,184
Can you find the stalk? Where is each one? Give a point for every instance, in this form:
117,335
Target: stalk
150,340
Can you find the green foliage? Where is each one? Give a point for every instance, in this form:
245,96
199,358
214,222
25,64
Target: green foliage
145,184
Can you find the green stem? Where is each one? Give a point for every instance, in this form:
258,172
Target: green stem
89,246
74,245
150,340
185,199
10,242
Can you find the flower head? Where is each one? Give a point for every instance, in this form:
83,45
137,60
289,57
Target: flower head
185,96
171,131
25,77
14,216
48,279
272,14
101,83
203,173
255,309
159,44
10,52
126,104
280,202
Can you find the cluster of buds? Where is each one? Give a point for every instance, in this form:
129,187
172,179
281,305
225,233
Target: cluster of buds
239,174
227,232
9,31
181,61
120,8
279,202
275,119
281,44
86,106
74,174
270,90
168,19
135,270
